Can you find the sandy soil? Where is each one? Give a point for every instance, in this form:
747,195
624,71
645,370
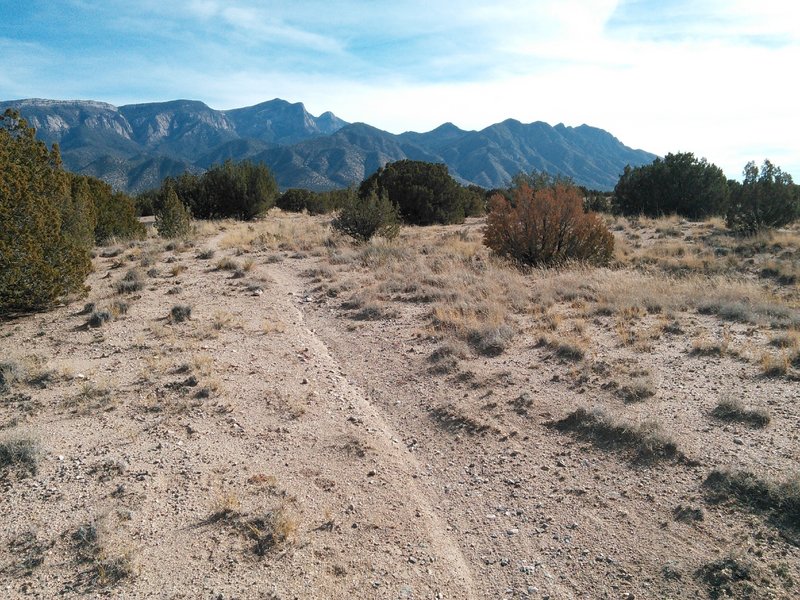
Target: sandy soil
274,446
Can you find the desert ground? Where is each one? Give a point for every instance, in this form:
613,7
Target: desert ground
268,410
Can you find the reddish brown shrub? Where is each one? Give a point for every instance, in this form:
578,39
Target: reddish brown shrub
546,227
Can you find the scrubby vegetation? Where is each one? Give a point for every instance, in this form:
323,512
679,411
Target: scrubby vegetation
173,219
314,203
681,184
49,220
766,198
423,192
114,212
546,227
661,325
645,440
363,217
677,184
243,190
20,454
44,245
778,500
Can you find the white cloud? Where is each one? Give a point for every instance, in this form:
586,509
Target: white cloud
709,76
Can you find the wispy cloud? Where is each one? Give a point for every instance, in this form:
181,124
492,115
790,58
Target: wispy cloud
709,76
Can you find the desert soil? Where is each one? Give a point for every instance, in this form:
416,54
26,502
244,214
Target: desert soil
278,444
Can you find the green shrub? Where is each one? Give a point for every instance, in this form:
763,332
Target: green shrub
173,219
44,252
242,190
314,203
180,313
546,227
423,192
766,198
677,184
363,218
114,213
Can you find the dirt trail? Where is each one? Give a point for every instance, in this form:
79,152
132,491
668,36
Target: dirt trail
398,468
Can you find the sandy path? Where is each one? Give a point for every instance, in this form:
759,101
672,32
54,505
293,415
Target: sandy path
397,467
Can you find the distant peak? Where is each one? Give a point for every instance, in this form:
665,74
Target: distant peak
447,128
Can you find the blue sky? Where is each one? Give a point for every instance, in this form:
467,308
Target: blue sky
712,77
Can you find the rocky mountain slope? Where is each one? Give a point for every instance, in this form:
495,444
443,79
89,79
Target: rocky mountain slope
133,147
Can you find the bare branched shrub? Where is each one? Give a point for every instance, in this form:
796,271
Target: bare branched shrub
547,227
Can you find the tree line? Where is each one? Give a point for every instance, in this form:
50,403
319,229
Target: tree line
50,219
696,189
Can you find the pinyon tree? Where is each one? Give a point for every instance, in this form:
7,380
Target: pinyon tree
44,243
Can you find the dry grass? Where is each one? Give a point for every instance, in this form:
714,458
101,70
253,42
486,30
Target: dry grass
471,297
19,452
637,389
269,326
133,281
776,365
91,399
780,501
705,345
733,409
109,561
644,440
223,320
226,264
485,302
564,347
277,231
272,530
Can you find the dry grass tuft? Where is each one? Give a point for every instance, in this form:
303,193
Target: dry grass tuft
109,562
780,501
733,409
730,577
19,453
452,419
645,440
133,281
637,389
564,347
271,530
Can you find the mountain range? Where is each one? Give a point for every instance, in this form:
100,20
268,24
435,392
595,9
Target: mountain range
134,147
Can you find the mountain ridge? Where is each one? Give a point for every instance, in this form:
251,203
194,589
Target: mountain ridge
133,146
